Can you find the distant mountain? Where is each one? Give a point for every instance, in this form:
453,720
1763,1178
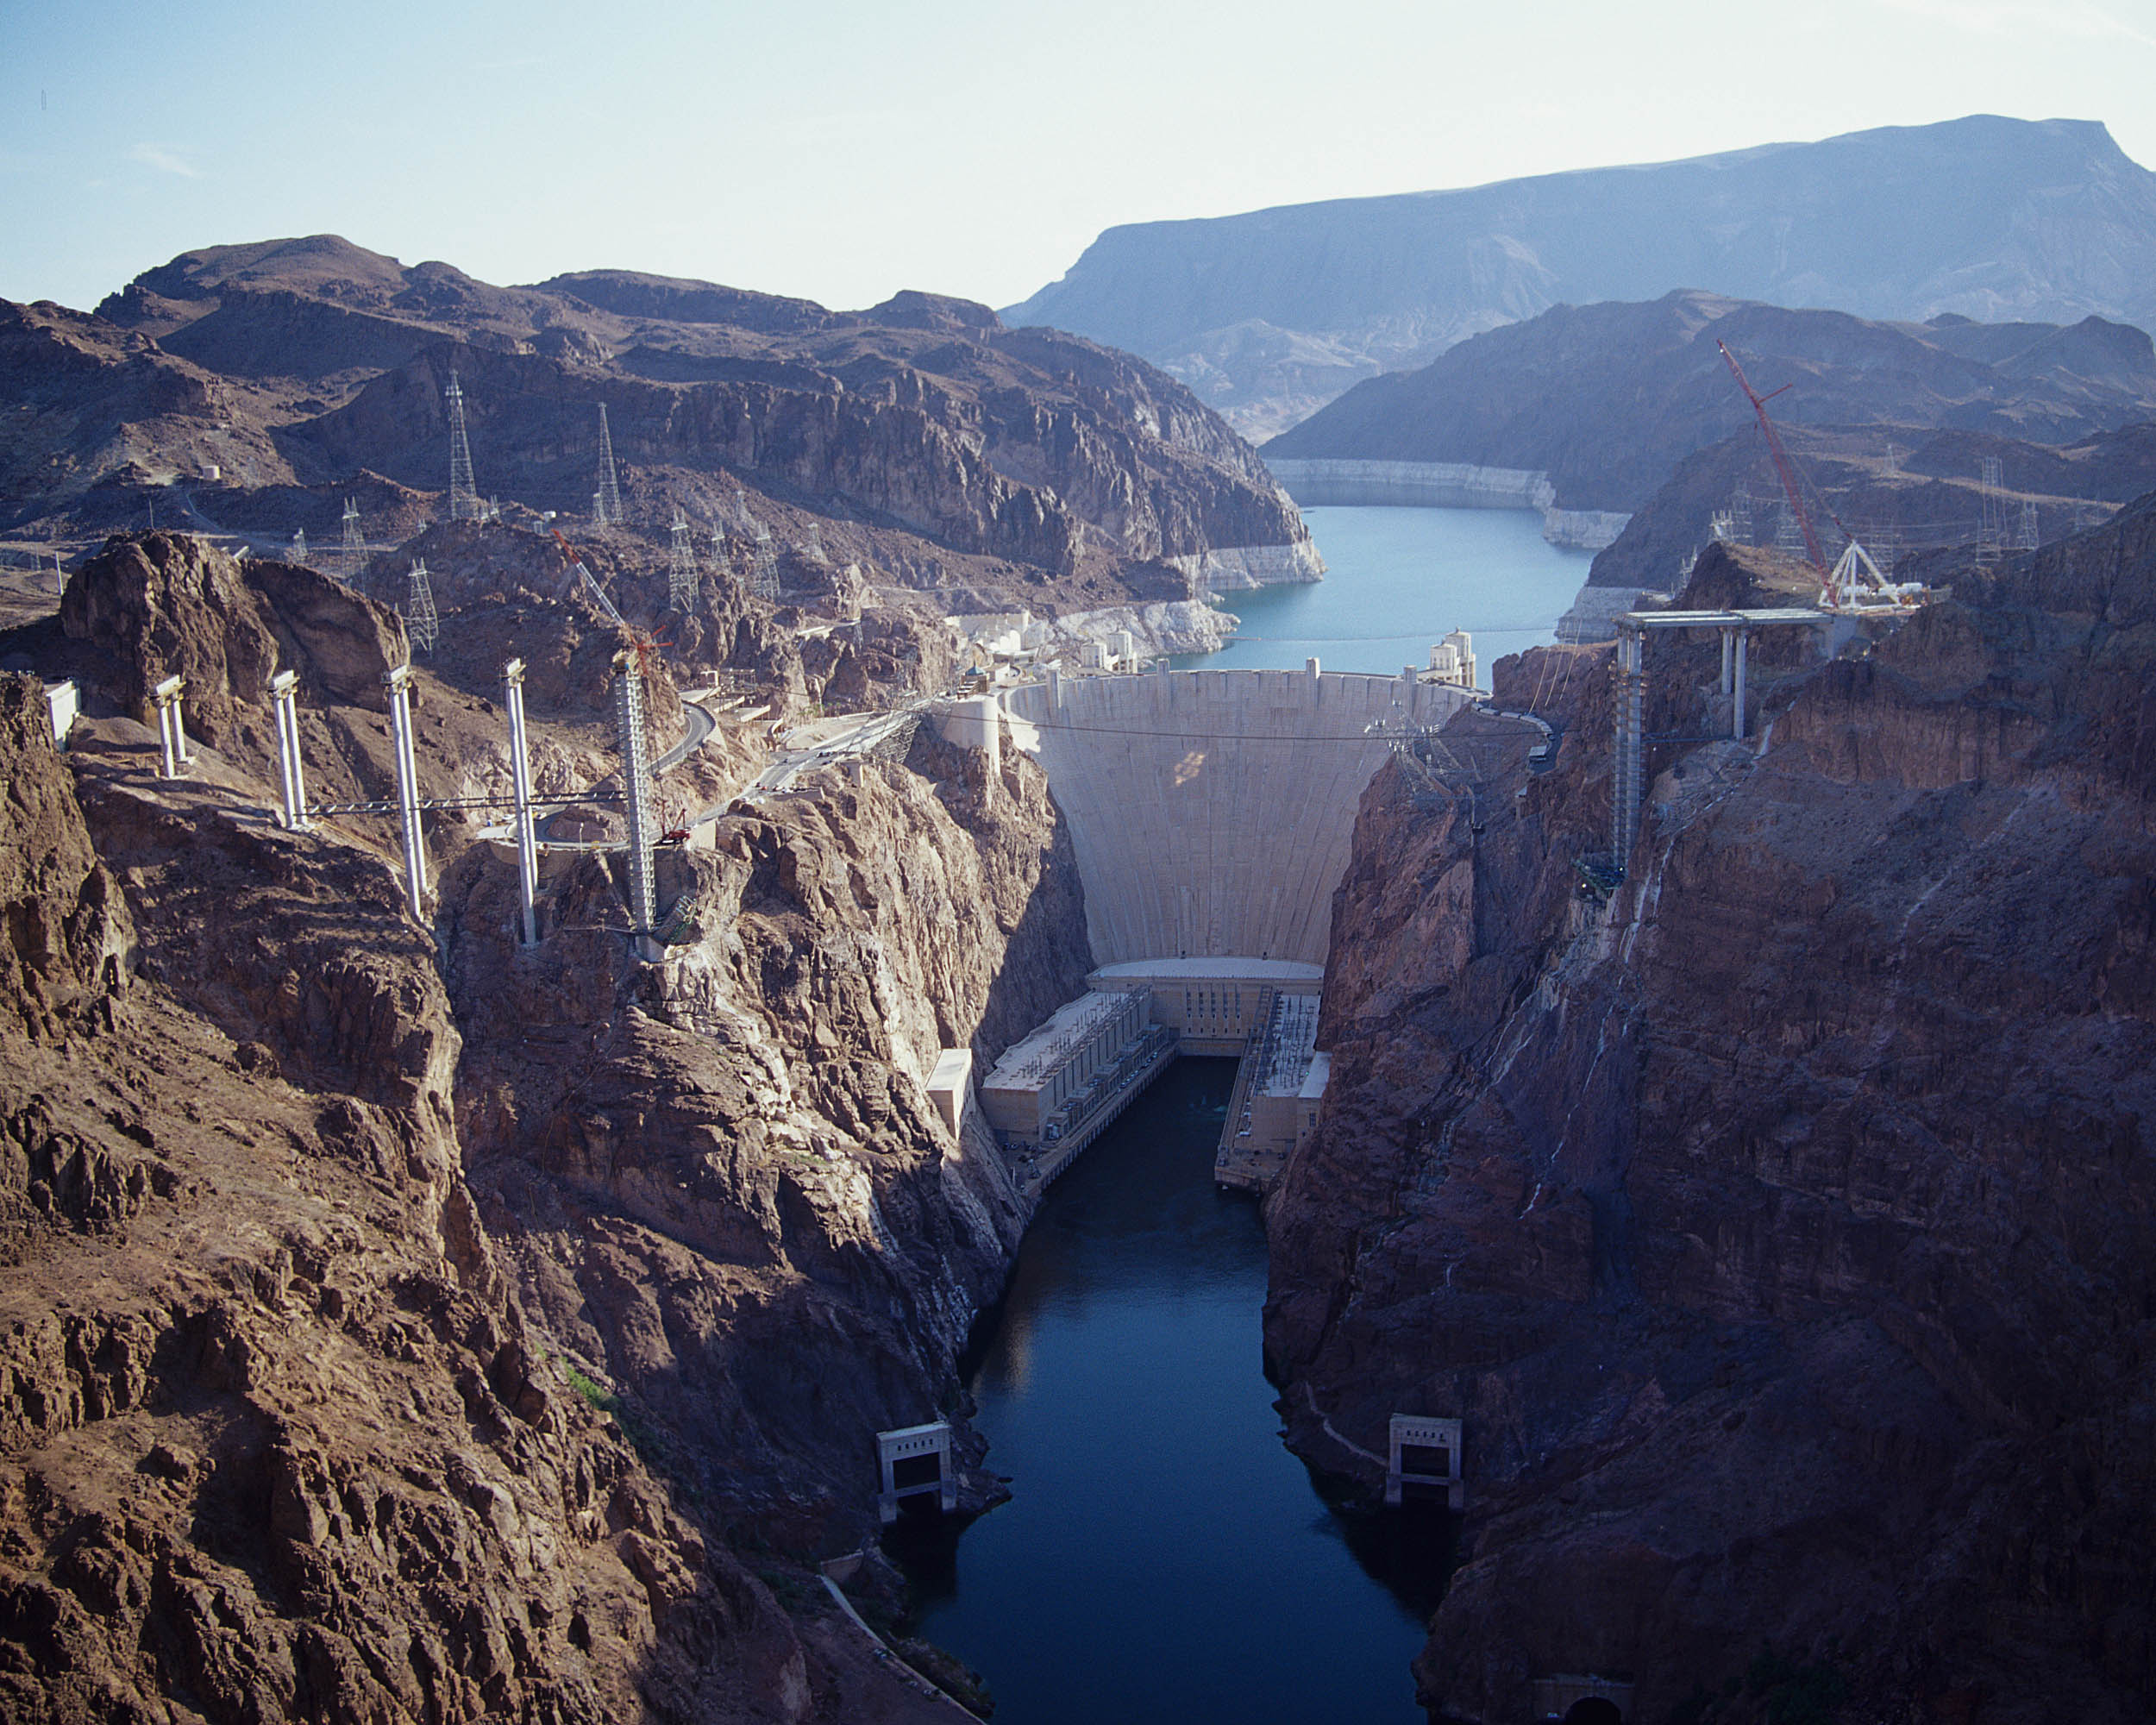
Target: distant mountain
1606,399
294,372
1268,314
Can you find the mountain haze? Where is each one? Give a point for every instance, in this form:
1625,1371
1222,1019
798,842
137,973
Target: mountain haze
1271,314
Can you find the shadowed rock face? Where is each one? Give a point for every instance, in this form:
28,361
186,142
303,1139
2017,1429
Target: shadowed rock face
1784,1233
1270,314
329,1234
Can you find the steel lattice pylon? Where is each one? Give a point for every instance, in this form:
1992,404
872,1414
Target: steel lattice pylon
464,495
420,622
351,556
606,501
681,570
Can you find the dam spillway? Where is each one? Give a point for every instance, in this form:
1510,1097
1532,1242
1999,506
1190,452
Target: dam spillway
1211,811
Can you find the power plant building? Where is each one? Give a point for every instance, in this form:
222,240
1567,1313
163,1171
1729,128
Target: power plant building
1044,1085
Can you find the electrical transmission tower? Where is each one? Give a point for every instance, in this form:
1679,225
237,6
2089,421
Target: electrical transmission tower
1991,505
2025,539
763,574
681,571
606,501
352,554
464,496
420,622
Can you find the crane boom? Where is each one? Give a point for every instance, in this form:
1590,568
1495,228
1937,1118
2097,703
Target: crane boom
599,593
1782,470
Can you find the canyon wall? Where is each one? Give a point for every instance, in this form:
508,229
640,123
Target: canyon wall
1781,1228
403,1324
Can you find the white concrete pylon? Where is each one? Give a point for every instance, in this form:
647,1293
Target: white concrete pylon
399,682
285,699
1737,698
171,730
520,776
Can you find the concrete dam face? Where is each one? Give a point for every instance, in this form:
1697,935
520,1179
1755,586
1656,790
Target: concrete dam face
1211,811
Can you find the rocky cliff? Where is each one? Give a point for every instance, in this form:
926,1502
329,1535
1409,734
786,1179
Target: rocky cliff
1781,1228
1606,399
405,1325
1271,314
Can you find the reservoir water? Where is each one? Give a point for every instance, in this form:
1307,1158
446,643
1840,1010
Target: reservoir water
1163,1559
1400,579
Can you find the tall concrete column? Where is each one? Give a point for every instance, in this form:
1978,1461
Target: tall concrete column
1629,743
399,681
520,779
1728,644
636,772
171,730
1737,705
285,700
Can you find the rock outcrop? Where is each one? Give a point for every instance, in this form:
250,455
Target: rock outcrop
401,1324
1781,1230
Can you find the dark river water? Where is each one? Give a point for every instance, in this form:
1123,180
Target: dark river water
1163,1558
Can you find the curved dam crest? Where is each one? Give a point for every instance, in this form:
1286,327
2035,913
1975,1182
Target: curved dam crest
1211,811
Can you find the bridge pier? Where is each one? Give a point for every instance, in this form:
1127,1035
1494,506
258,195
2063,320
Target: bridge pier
520,779
284,701
399,681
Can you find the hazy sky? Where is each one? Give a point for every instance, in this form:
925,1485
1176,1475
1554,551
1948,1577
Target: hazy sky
842,150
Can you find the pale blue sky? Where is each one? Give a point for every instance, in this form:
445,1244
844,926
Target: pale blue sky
842,150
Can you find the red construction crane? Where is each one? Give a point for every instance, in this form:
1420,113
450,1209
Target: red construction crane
1782,468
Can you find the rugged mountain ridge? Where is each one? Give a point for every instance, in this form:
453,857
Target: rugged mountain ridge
1781,1228
962,451
404,1325
1606,399
1271,314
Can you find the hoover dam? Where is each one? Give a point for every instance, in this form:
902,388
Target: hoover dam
1211,811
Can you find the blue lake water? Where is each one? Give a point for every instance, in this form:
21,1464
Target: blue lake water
1399,580
1164,1560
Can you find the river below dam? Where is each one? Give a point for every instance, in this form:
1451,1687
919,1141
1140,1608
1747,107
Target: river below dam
1400,579
1163,1559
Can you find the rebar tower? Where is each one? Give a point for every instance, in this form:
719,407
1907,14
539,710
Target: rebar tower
636,773
299,547
420,622
352,554
606,501
2025,539
812,547
681,571
464,496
